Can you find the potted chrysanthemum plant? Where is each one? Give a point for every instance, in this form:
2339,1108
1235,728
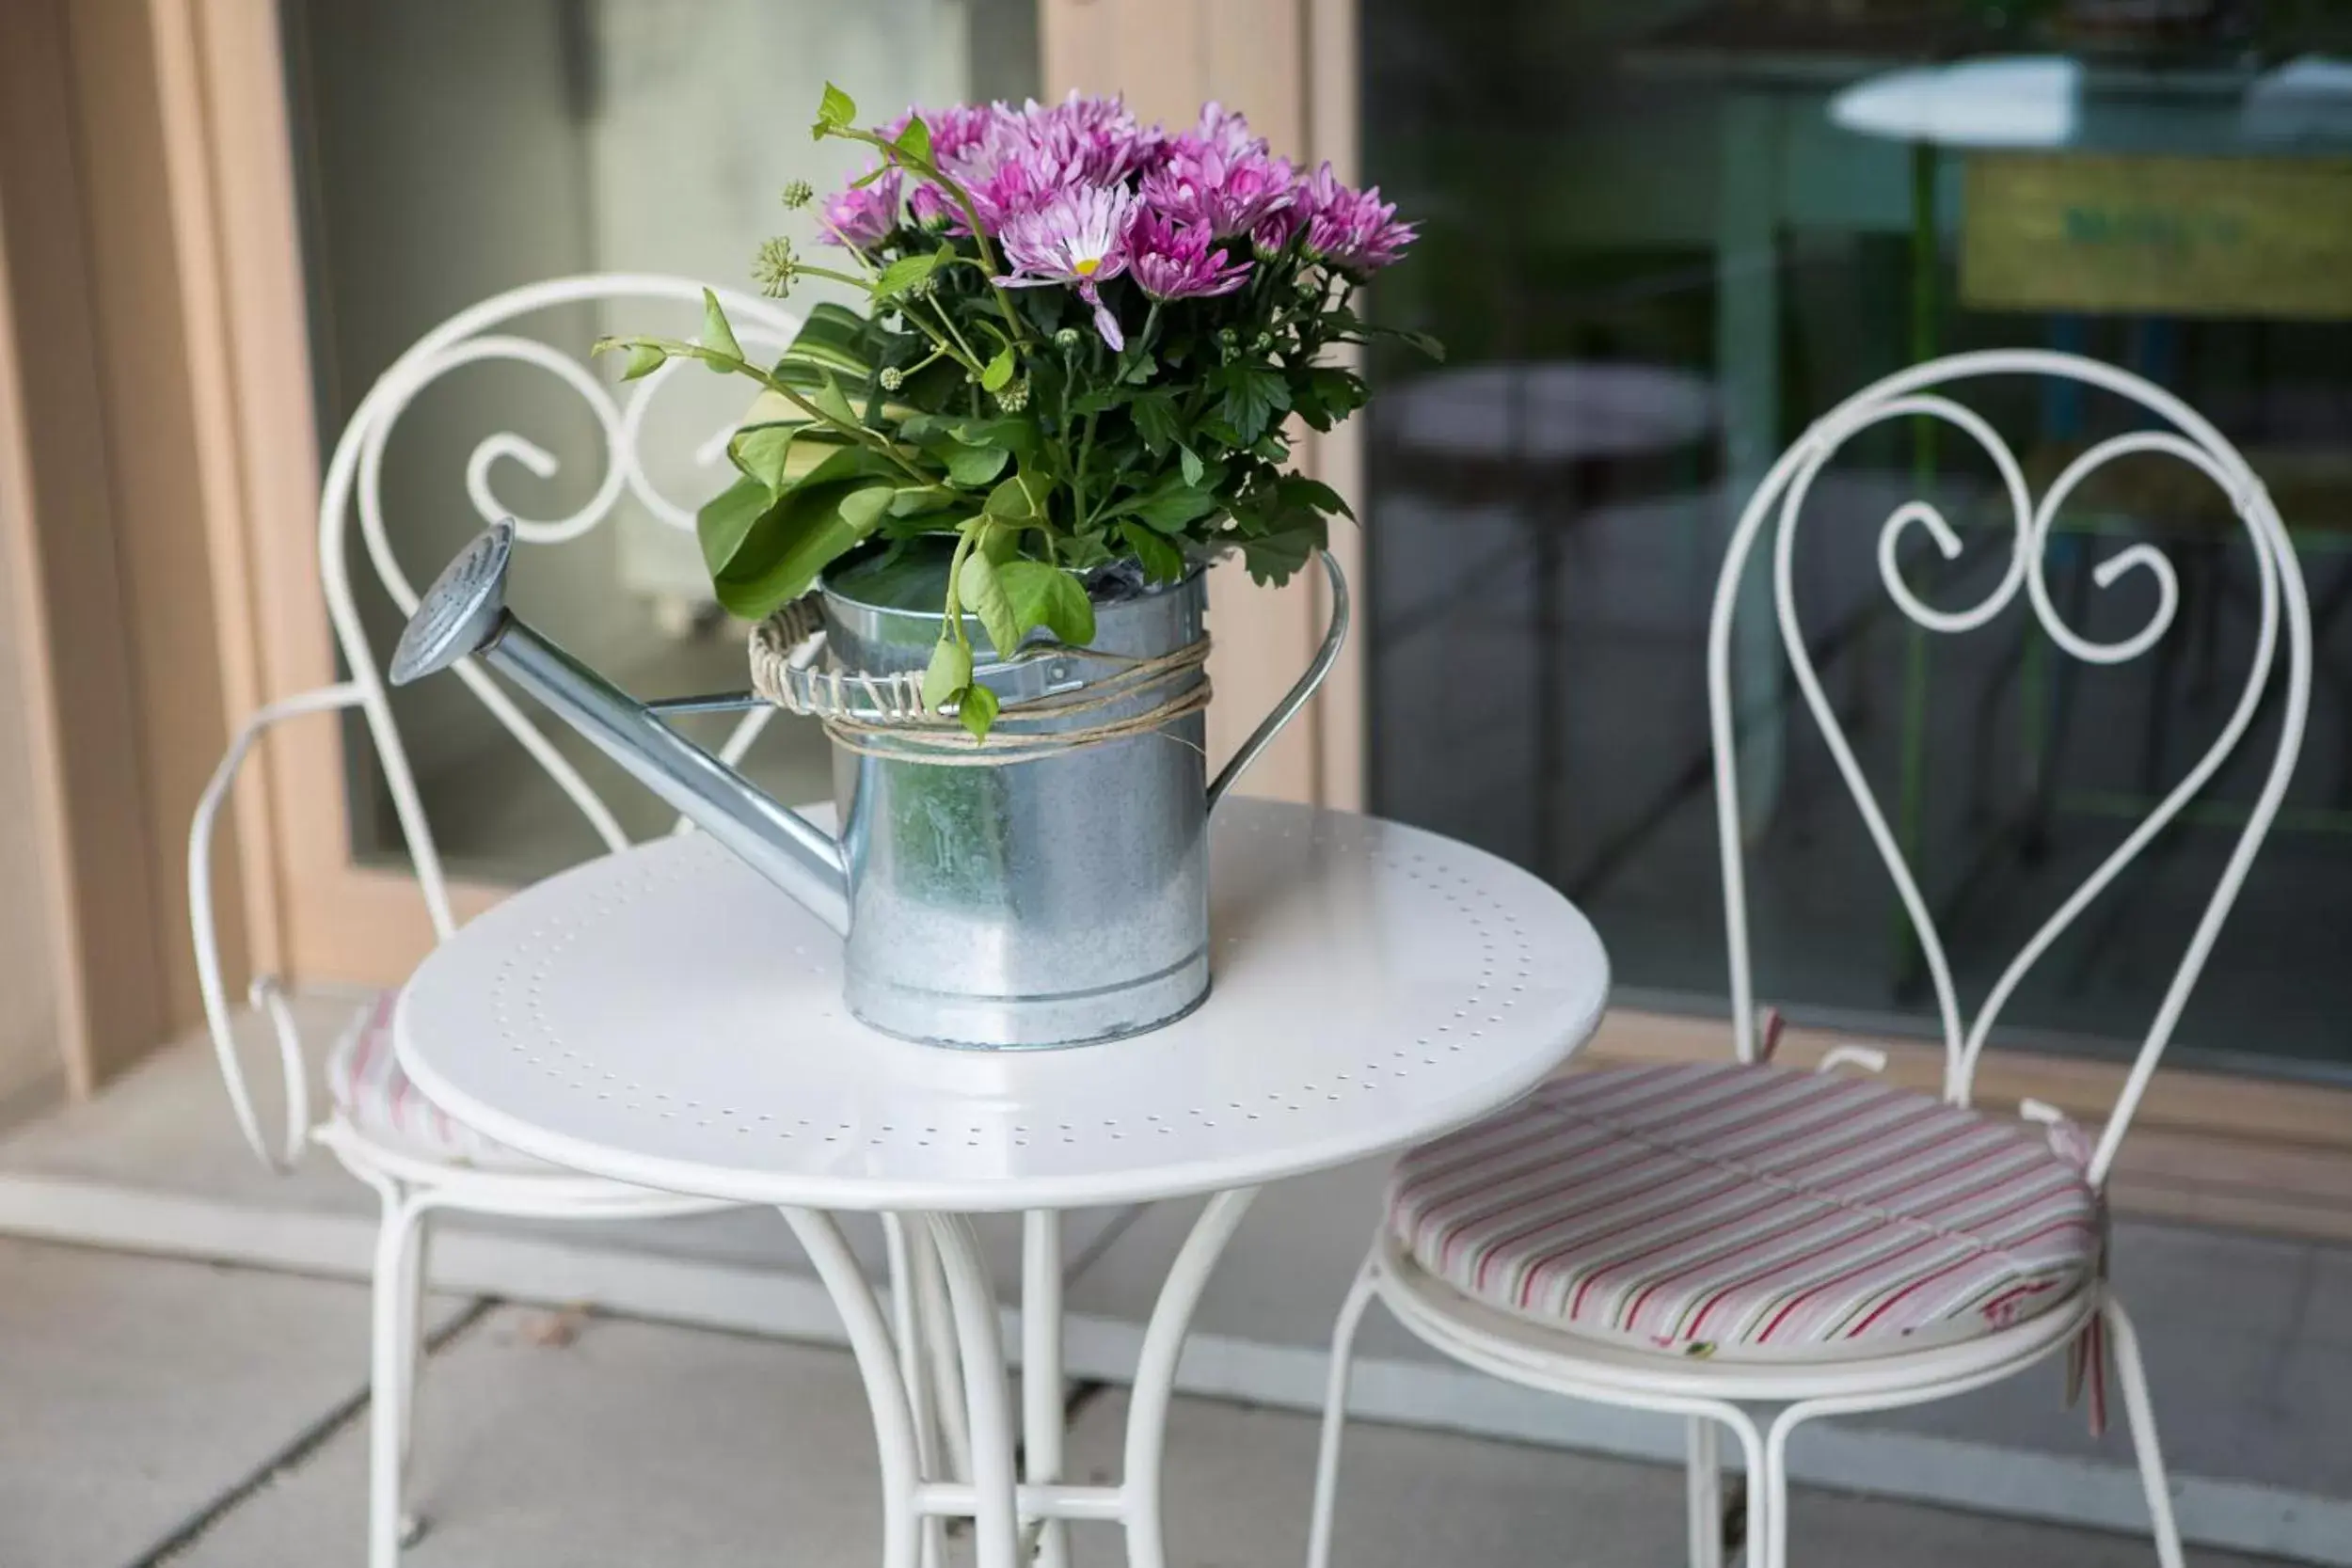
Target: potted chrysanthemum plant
1083,342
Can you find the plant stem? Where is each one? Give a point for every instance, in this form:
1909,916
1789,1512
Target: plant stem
743,367
931,171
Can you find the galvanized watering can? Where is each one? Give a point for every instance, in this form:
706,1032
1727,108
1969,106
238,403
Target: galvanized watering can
1051,901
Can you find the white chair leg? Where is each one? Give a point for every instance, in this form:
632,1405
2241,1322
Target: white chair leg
391,1354
1705,1493
1335,1415
1767,1490
2133,1374
417,1276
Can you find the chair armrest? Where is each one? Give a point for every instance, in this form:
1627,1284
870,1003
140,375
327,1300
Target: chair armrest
266,992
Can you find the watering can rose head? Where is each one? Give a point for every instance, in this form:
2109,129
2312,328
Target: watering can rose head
1081,338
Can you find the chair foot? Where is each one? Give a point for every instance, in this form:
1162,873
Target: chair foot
1335,1416
412,1529
2141,1414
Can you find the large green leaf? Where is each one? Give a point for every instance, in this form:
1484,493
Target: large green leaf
727,518
833,337
1047,596
781,552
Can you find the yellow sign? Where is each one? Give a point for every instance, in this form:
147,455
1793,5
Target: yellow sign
2159,236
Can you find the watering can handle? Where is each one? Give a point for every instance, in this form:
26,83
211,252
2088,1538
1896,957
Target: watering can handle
1298,697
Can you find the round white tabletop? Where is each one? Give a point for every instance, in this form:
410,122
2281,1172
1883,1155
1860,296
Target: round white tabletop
666,1018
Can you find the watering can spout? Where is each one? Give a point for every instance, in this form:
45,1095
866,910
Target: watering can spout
464,615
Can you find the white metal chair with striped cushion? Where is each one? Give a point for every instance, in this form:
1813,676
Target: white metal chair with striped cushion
1753,1248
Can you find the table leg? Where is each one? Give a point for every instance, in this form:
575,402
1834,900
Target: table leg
907,1309
1155,1370
878,1364
1042,1395
972,1298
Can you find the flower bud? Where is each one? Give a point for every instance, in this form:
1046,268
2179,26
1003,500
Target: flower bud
892,378
1066,338
1014,397
799,193
772,269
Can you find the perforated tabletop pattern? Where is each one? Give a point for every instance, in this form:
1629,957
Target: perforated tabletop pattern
664,1016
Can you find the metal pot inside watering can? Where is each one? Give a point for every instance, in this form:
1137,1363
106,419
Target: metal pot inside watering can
1054,893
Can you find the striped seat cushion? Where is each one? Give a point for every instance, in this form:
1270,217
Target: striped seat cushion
365,1080
1742,1211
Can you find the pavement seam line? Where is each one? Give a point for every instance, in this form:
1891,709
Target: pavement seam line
301,1447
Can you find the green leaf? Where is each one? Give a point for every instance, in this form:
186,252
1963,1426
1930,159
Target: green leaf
1017,436
915,140
1156,421
916,501
761,451
972,467
997,373
1299,490
1162,561
833,337
728,517
836,110
717,334
1274,557
779,554
983,595
1171,507
906,272
833,403
644,360
1048,596
864,509
1253,395
1020,498
949,676
977,710
1190,461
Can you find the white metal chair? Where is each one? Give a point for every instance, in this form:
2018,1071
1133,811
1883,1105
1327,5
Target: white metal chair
1753,1248
419,1160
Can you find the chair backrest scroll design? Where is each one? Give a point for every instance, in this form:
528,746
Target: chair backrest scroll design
355,475
1778,502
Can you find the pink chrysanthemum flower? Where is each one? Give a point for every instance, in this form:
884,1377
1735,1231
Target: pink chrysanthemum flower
1199,184
1171,261
1353,230
1223,131
862,215
1079,237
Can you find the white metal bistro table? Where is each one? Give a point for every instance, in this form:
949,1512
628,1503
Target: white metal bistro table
664,1016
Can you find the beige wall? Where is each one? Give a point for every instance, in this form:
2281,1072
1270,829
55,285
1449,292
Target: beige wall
29,1059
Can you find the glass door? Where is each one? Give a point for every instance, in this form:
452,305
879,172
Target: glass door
1660,239
445,151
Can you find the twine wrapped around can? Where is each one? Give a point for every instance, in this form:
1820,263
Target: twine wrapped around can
885,715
